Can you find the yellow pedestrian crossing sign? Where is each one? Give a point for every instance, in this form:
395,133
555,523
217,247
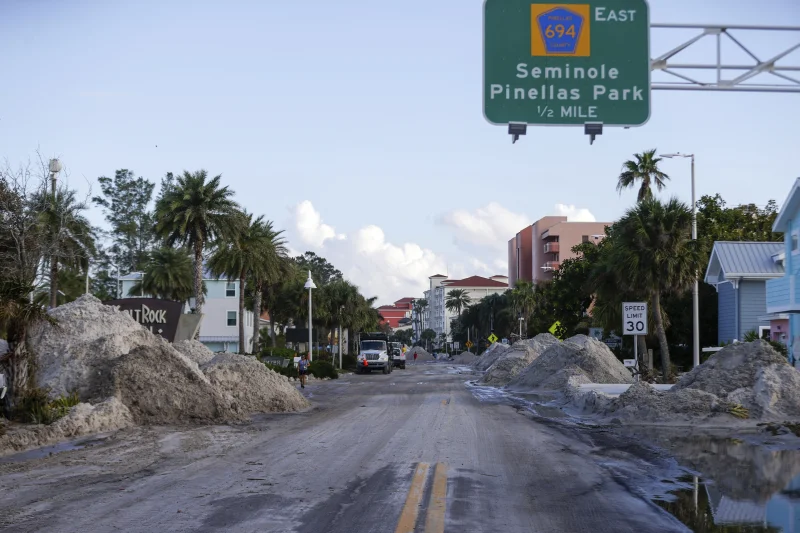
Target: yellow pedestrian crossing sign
468,344
492,338
554,327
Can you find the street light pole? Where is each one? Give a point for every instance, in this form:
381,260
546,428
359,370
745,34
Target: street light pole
54,167
309,285
696,285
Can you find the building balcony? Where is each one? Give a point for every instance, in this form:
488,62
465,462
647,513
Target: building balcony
551,248
549,266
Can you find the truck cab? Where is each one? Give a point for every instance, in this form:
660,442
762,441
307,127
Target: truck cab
374,353
398,356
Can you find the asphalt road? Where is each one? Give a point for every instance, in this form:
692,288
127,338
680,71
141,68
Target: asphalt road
411,451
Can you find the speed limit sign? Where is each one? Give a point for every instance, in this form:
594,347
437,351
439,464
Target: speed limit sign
634,318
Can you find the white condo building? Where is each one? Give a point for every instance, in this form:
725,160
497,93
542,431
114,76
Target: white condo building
438,316
219,329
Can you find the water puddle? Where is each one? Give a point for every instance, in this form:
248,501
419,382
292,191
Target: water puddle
735,484
538,404
47,451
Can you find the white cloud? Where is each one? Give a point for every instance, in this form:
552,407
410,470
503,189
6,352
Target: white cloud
574,214
380,268
310,228
490,226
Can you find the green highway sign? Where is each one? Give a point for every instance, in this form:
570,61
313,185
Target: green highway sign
566,63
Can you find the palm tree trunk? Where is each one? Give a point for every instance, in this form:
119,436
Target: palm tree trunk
662,337
53,281
242,347
256,317
198,278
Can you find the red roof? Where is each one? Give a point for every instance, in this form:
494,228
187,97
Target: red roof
404,300
474,281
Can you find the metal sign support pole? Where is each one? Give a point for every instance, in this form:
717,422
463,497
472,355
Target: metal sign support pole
636,355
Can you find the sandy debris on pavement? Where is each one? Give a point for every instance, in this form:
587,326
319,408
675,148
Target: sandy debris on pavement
579,359
465,358
516,359
83,419
124,373
195,351
489,356
422,355
748,375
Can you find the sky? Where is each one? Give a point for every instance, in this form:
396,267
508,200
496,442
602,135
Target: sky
357,126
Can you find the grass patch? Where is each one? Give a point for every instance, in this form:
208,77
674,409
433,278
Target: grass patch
35,406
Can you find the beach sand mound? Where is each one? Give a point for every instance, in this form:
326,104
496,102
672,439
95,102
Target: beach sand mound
515,360
578,355
490,356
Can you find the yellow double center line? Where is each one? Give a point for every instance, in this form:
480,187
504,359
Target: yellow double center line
437,505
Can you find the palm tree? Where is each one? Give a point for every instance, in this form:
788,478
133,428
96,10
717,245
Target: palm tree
195,211
17,315
168,274
644,170
69,235
249,250
457,299
655,255
523,297
273,266
423,304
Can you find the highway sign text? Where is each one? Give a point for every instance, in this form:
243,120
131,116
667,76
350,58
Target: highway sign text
566,63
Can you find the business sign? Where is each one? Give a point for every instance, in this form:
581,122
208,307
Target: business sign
634,318
159,316
566,63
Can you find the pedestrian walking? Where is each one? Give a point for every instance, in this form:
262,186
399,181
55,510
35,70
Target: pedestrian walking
302,368
415,357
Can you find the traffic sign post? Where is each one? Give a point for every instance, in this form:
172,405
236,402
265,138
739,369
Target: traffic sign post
634,322
492,338
569,63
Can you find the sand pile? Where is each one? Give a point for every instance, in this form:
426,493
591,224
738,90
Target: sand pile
490,356
83,419
579,359
516,359
89,334
253,386
422,355
112,361
465,358
749,375
195,351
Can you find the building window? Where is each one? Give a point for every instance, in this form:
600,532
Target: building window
585,238
232,318
230,289
794,241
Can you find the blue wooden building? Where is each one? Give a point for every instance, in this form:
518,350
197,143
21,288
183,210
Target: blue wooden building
740,272
783,294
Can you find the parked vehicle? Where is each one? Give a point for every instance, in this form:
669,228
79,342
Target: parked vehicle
374,353
398,355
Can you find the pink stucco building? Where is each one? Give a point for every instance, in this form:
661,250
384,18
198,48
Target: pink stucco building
537,251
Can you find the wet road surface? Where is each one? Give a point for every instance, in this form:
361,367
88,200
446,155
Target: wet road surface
412,451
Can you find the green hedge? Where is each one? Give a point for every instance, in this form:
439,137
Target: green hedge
286,353
323,369
289,371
